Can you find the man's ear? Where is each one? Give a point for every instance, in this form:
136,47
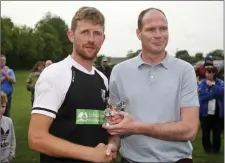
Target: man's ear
103,37
70,35
138,32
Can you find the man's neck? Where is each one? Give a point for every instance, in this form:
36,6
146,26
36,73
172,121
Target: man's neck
2,67
87,64
153,59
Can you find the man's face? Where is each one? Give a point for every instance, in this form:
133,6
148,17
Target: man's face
209,75
3,62
87,39
40,68
3,107
209,62
154,33
105,63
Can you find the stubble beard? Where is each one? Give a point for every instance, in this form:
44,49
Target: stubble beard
81,53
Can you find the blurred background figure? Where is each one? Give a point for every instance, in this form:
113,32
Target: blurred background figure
33,77
7,79
211,97
104,67
200,71
48,63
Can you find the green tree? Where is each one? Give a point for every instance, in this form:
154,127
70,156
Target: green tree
198,57
6,35
217,54
56,26
184,55
131,54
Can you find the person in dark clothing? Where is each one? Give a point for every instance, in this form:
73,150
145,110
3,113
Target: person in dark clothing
104,67
221,76
211,97
200,71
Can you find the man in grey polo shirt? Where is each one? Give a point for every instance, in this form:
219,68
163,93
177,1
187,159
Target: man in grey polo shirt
161,117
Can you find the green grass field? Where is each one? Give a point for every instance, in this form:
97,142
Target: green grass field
20,113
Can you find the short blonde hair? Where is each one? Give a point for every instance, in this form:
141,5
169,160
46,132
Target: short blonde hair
3,98
88,13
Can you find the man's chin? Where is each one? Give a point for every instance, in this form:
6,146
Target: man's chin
88,57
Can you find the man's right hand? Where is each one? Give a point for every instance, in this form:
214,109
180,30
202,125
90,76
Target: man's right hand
100,154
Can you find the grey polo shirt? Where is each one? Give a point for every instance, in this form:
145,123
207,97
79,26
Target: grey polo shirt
155,94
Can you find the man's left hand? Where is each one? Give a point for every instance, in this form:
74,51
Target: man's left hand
127,125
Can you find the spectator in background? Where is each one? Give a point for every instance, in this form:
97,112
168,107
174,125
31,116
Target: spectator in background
7,78
221,76
8,139
200,71
211,97
33,77
104,67
48,63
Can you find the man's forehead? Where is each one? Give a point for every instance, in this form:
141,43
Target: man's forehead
89,24
2,58
154,15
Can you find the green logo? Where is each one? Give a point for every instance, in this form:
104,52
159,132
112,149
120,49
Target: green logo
88,116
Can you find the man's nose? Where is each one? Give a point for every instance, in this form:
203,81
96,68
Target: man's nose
91,38
158,34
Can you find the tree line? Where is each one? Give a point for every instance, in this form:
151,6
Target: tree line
217,54
24,46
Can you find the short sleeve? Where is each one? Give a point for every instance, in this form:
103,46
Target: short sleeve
48,95
11,73
189,90
113,89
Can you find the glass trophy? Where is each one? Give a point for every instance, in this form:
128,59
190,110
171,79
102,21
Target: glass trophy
110,113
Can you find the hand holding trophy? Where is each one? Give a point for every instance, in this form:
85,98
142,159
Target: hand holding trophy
110,113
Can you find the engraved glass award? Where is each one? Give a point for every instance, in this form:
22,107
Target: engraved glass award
110,113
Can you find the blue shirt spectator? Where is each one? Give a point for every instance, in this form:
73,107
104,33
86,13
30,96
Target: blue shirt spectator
7,85
209,92
7,78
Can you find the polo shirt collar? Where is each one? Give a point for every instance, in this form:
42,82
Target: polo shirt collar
165,62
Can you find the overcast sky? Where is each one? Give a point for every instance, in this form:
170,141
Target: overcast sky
195,26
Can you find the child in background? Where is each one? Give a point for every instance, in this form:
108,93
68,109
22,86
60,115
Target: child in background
8,139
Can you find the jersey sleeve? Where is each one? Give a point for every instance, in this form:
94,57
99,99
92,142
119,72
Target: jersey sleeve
48,95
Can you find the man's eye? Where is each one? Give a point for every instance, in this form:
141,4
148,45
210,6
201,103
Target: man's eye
84,32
